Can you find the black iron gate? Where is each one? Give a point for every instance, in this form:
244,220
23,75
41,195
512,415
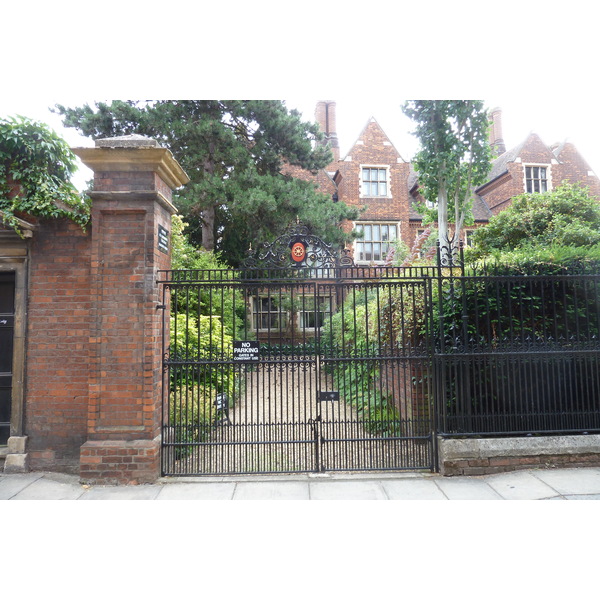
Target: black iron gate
321,366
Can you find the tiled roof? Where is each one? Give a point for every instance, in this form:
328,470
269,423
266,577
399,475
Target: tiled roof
499,164
481,211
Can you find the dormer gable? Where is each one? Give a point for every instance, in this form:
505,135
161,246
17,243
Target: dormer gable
533,150
373,145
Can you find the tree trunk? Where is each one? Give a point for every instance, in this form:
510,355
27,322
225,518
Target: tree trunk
208,213
459,219
443,220
208,228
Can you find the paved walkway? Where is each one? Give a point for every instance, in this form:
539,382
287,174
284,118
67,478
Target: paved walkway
552,484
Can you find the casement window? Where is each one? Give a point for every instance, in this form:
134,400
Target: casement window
375,243
469,237
374,182
268,314
536,179
307,311
313,312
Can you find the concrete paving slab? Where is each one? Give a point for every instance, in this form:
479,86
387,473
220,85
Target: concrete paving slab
266,490
346,490
50,489
520,485
129,492
583,497
413,489
11,485
463,488
197,491
571,481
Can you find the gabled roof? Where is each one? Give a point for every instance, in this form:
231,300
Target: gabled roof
481,211
362,133
499,165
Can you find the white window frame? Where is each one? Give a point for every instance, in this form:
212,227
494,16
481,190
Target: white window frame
388,183
358,243
259,313
302,303
548,177
304,307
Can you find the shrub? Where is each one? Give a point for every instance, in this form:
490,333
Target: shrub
36,166
567,216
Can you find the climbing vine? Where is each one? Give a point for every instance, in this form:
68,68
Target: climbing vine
36,166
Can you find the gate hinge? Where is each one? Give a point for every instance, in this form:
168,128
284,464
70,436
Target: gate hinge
161,306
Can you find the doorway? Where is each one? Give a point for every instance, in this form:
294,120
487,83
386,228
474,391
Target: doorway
7,328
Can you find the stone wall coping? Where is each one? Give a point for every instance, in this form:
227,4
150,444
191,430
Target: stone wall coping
135,158
125,196
477,448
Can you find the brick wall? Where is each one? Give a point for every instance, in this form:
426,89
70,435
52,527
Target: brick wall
574,168
373,148
94,333
58,351
482,456
570,166
407,381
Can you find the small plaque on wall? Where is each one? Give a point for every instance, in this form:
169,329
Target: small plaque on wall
163,239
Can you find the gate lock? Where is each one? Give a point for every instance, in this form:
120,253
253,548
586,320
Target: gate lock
329,396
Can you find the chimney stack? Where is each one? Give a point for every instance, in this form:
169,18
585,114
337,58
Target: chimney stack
496,139
325,117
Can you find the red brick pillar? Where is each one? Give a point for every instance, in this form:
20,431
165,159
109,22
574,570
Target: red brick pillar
131,211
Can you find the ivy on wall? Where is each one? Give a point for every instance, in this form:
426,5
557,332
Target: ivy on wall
36,166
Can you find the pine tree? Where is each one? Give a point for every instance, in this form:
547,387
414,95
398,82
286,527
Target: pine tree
233,151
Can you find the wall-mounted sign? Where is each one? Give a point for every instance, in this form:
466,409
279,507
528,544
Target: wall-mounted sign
246,351
329,396
163,239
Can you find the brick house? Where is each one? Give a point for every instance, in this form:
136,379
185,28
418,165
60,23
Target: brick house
374,175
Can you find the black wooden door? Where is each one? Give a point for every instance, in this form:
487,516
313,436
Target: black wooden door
7,326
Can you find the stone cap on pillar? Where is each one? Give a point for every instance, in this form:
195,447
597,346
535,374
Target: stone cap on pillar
133,153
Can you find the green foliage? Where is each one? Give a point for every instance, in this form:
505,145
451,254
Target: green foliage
198,300
233,152
194,385
36,166
355,330
454,157
191,416
196,339
540,260
567,216
203,325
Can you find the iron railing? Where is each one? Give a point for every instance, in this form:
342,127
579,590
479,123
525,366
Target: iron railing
360,368
517,354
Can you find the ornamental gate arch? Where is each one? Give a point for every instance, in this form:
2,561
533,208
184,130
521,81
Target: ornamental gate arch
300,361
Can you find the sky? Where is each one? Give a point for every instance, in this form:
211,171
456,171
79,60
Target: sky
553,119
544,78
